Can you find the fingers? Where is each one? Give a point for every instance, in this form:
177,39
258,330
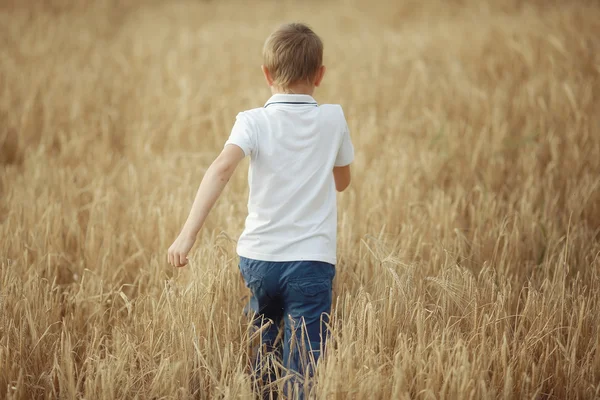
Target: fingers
179,250
173,258
182,260
177,259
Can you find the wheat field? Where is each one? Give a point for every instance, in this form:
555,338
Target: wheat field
469,240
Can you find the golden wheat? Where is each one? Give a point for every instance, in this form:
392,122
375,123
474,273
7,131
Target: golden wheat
469,241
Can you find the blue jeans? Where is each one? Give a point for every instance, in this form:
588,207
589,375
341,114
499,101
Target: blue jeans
299,294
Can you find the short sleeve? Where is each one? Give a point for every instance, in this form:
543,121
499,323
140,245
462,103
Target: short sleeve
242,135
345,154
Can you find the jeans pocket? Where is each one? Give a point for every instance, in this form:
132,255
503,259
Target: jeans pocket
310,288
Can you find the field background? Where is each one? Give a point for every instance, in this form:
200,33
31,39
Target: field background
469,244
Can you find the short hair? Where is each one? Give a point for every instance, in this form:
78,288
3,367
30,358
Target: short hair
293,53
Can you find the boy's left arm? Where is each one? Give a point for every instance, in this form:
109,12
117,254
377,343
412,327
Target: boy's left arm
214,181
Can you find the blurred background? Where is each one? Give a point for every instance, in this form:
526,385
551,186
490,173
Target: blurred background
468,243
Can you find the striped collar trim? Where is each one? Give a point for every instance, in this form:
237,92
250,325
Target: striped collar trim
291,99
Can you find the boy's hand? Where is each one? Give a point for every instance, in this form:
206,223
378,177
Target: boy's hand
179,250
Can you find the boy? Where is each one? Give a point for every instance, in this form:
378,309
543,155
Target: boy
288,247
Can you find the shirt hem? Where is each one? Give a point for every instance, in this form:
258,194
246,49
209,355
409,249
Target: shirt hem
287,258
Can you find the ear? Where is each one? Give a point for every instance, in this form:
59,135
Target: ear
320,75
267,75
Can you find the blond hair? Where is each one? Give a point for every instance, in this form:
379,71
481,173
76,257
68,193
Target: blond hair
293,53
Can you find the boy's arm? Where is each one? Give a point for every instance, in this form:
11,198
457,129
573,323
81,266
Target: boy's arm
341,175
345,156
213,183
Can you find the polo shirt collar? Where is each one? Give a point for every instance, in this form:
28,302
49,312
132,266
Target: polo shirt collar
291,99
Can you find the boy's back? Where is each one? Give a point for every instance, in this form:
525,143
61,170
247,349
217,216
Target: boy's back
294,144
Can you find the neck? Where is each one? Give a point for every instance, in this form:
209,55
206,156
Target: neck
298,88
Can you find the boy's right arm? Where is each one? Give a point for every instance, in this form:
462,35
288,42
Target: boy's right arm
341,175
213,183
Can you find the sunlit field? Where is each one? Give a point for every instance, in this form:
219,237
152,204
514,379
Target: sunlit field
469,240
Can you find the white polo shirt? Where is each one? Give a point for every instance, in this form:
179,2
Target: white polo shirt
293,144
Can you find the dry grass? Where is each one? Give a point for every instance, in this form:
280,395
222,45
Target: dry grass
469,246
